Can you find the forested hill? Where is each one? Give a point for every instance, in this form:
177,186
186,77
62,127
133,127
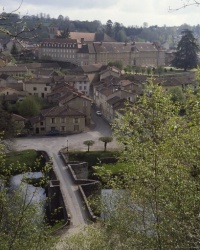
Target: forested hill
121,33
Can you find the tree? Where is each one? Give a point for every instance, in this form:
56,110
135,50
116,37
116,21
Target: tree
186,55
161,154
186,4
117,64
15,27
22,222
106,140
14,50
156,200
29,106
89,143
160,70
65,33
6,124
177,95
109,28
149,71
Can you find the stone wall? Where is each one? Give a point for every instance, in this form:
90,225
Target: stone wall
86,186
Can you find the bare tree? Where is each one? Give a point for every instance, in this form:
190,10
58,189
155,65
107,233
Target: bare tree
185,4
15,27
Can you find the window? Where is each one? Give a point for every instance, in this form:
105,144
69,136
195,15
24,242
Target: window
41,123
45,88
62,120
53,120
75,120
76,127
62,128
34,88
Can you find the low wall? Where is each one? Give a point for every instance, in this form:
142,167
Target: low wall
55,197
86,187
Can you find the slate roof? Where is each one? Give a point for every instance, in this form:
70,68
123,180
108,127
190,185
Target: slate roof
16,117
103,37
46,72
113,47
76,78
46,81
113,100
61,111
142,46
91,68
14,69
116,47
88,37
106,91
124,83
87,48
57,41
52,65
91,37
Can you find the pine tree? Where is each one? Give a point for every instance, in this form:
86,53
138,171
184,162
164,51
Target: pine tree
186,55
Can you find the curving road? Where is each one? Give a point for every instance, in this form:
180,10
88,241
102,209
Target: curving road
52,145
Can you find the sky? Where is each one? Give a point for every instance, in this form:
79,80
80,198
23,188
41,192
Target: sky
127,12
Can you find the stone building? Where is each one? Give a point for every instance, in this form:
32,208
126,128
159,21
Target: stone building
143,54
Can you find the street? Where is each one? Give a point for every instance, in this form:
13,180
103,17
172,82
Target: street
52,145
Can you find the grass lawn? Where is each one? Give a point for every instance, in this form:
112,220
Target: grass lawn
26,160
107,169
96,170
92,157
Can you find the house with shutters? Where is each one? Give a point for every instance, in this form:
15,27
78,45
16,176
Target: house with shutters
38,86
59,120
65,95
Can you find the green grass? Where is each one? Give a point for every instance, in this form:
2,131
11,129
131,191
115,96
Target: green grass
113,169
26,156
91,157
22,161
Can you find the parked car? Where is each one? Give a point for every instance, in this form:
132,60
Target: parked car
53,132
98,113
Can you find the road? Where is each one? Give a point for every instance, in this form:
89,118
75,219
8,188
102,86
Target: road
52,145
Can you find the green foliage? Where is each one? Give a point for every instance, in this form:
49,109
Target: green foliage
109,28
92,157
128,69
137,69
177,95
29,106
186,55
160,70
106,140
89,143
161,153
149,71
21,223
117,64
6,124
17,162
14,51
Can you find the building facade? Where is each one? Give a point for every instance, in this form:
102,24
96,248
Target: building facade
81,53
